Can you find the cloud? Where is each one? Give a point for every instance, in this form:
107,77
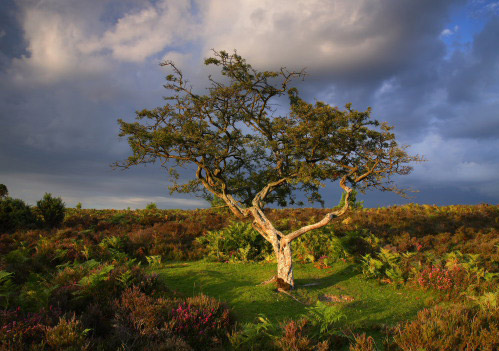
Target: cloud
342,37
141,34
458,162
71,68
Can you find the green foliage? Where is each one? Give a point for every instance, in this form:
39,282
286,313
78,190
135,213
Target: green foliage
151,206
7,288
15,214
386,265
322,243
3,191
35,293
237,242
52,210
352,200
324,317
254,336
154,261
78,206
67,335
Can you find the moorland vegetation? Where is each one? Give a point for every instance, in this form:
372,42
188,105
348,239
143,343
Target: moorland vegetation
153,279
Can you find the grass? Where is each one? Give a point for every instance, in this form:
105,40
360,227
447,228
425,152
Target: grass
237,284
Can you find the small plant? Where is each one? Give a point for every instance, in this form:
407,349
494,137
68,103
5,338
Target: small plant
296,338
363,343
7,288
78,206
67,335
387,266
324,317
154,261
52,210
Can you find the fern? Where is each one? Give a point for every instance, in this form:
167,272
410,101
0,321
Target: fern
325,317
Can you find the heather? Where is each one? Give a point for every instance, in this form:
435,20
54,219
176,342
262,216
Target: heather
394,278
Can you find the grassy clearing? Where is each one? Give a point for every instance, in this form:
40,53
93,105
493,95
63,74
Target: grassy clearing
368,304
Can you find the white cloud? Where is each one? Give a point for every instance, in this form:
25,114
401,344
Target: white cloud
141,34
446,32
65,39
54,36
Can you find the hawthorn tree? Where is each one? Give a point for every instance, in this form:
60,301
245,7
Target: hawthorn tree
248,155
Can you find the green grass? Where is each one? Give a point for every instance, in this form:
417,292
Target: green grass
237,284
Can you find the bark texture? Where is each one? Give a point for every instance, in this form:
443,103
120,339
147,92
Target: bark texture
285,279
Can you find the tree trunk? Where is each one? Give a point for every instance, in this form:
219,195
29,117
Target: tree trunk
285,279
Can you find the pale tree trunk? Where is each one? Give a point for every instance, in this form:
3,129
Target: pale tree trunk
285,279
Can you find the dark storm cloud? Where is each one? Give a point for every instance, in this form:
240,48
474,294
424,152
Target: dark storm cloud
69,69
12,43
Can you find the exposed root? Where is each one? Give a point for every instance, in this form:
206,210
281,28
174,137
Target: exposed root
281,290
271,280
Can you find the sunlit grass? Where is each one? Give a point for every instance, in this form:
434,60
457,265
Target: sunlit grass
372,304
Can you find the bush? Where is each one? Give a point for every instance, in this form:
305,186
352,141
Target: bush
319,244
3,191
237,242
451,328
67,335
15,214
295,338
52,210
201,321
151,206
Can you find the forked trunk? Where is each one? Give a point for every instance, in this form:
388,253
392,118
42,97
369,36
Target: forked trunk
285,279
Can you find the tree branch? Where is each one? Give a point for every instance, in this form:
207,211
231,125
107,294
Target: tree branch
327,218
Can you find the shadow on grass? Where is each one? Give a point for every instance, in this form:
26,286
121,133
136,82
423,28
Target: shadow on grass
330,280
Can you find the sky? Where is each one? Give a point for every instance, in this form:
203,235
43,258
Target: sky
70,68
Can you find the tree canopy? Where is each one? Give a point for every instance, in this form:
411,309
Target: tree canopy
246,152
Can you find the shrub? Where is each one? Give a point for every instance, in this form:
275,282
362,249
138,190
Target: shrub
451,328
237,242
3,191
295,338
52,210
67,335
363,343
387,266
200,320
25,331
151,206
15,214
324,318
321,243
138,317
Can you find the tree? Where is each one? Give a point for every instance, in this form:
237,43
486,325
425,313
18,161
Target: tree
248,155
52,210
3,191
